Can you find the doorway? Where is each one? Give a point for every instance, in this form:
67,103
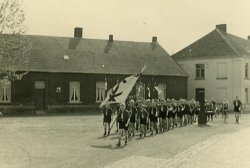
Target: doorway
200,94
39,95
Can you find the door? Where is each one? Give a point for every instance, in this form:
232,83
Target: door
200,94
39,95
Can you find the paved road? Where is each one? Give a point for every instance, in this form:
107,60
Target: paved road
230,150
77,141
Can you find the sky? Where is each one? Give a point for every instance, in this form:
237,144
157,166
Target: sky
176,23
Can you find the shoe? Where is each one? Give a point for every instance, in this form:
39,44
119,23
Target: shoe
104,134
119,144
126,143
108,133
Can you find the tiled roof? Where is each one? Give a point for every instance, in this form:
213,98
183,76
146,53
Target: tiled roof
49,54
215,44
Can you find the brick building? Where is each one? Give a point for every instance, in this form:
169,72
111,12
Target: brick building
69,74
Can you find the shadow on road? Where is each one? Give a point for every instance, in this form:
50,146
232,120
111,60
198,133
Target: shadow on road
107,146
111,136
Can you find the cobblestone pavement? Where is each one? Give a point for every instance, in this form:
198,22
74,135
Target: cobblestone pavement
229,150
222,151
77,141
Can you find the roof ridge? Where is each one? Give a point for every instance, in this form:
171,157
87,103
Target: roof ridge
86,38
224,38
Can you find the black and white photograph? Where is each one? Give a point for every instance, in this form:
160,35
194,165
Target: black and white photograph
124,84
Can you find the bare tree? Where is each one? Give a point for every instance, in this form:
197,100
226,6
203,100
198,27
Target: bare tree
14,45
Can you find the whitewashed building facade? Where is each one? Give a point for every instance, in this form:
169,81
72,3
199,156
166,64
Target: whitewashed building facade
217,64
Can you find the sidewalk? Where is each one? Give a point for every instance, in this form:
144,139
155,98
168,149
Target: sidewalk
227,150
221,151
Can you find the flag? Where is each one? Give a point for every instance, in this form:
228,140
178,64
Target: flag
120,92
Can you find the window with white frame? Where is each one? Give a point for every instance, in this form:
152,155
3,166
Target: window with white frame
5,91
200,71
246,71
74,92
222,70
100,91
161,91
140,90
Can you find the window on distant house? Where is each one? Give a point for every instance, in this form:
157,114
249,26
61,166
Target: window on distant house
246,71
100,91
162,91
222,71
140,90
74,92
246,95
5,91
200,71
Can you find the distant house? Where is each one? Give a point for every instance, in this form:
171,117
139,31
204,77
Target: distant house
68,74
217,64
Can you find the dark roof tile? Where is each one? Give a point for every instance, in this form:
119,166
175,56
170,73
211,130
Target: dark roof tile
215,44
99,56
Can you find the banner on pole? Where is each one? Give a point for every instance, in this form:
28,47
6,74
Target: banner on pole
120,92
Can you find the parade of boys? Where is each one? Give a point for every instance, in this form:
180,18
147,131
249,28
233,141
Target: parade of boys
131,116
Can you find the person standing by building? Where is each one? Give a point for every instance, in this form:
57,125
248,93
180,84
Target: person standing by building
237,108
123,120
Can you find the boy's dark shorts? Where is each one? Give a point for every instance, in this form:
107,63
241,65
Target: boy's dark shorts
122,125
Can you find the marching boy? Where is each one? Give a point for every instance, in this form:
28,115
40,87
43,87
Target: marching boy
237,108
107,113
123,120
143,121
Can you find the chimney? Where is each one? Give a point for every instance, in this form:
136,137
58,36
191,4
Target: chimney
78,32
111,38
248,37
222,27
154,39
